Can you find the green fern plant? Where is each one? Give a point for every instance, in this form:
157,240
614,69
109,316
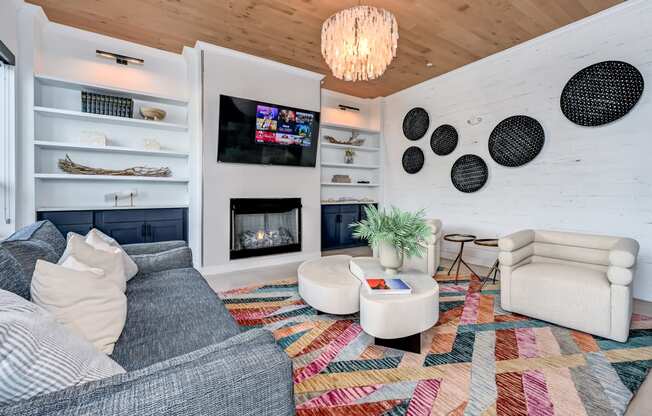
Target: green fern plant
402,229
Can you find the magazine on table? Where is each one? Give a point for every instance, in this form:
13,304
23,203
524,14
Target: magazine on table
388,286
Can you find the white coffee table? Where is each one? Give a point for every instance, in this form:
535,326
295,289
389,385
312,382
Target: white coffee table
327,285
397,321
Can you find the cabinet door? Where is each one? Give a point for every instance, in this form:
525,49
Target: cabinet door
164,230
79,222
349,215
125,232
330,230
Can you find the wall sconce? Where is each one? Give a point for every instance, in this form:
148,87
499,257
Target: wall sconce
120,59
347,107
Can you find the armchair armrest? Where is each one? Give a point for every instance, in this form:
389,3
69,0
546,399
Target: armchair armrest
177,258
152,248
516,240
246,375
623,253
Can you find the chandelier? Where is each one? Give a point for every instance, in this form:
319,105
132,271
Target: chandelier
359,43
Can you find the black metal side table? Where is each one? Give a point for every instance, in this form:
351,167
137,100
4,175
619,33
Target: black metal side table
460,238
489,242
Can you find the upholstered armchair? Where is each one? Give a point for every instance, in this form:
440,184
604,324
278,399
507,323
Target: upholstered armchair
579,281
432,248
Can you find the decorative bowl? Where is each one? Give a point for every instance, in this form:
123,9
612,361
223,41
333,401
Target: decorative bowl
152,113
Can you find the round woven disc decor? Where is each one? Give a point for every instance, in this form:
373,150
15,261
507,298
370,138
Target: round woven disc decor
444,140
516,140
413,159
416,123
469,173
601,93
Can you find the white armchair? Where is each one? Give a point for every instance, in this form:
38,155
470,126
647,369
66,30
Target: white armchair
430,261
579,281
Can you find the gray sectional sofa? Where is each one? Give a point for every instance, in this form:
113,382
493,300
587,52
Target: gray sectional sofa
183,352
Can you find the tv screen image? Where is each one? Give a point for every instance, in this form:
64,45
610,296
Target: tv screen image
264,133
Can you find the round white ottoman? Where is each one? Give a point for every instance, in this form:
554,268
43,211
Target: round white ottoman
327,285
397,321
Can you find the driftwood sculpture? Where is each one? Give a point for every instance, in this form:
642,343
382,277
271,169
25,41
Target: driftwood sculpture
67,165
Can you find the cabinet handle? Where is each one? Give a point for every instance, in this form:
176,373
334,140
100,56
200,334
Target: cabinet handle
338,219
149,230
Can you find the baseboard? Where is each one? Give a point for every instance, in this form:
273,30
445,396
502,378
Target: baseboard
258,262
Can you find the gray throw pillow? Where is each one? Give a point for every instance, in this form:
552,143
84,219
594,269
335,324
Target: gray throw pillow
38,356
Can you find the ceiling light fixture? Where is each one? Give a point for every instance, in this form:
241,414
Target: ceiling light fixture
359,43
120,59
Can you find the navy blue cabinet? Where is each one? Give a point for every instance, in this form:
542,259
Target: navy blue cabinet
126,226
335,230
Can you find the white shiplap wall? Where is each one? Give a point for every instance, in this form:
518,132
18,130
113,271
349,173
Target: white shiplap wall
596,180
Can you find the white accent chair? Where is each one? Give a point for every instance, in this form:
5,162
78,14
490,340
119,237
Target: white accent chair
579,281
429,263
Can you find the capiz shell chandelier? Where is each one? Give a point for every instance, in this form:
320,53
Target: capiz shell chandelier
359,43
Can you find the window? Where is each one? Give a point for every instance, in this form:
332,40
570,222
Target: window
7,148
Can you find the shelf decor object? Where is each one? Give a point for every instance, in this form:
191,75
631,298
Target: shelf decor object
107,105
416,123
359,43
152,113
444,140
67,165
341,179
469,173
352,141
413,159
601,93
516,141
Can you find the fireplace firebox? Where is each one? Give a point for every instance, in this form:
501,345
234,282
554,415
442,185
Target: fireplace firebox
264,226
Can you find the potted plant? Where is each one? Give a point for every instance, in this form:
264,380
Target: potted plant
348,156
394,234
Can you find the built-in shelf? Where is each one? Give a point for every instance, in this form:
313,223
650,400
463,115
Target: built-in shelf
348,128
43,144
78,115
110,207
366,185
68,176
349,165
345,146
76,85
349,203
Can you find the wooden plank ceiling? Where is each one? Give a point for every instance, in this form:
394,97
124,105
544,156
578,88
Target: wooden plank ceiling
447,33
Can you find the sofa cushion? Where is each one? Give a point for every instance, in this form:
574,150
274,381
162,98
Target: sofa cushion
170,313
563,294
43,231
11,275
26,253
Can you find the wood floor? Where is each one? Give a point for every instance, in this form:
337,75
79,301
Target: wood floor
640,406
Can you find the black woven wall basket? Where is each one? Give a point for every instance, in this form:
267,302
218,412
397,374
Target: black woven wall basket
413,159
444,140
516,140
601,93
416,123
469,173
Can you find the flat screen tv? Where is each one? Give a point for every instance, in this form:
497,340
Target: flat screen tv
269,134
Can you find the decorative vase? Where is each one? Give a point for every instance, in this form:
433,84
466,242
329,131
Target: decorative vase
348,159
391,258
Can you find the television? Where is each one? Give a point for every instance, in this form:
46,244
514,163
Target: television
270,134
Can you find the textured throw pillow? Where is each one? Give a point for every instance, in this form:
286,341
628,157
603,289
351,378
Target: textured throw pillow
84,301
101,241
38,356
110,261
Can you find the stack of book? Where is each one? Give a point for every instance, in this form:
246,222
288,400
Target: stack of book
385,286
107,105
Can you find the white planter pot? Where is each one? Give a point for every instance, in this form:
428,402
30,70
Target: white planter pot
390,257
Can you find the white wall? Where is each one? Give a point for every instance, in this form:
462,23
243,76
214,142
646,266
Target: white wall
232,73
595,180
9,23
368,117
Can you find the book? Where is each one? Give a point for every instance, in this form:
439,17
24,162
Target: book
394,286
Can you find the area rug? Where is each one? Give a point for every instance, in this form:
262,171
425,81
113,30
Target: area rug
478,359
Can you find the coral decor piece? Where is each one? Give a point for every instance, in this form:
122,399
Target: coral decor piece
359,43
351,141
477,360
67,165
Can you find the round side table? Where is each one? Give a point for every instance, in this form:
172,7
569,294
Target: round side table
489,242
460,238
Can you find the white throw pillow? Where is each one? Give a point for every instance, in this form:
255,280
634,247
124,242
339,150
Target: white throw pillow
84,301
101,241
39,356
110,261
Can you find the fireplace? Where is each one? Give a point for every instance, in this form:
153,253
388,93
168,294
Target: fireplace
260,227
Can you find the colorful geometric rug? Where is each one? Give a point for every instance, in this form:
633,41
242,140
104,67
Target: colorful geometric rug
478,360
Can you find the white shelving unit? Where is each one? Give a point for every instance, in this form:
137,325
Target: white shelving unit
59,125
366,166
